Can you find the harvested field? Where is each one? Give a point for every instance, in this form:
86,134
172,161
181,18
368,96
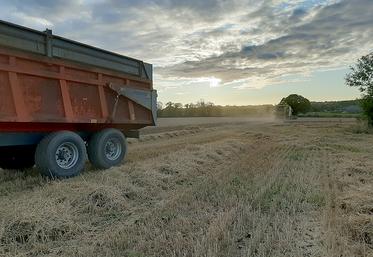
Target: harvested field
230,188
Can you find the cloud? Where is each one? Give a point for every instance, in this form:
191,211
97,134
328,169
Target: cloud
335,35
244,43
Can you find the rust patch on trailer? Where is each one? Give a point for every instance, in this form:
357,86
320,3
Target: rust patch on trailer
68,110
7,108
37,89
131,110
4,59
85,100
42,97
101,91
16,92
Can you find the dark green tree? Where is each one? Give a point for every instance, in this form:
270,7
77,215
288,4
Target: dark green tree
298,103
361,75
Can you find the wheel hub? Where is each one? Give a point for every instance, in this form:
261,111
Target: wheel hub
113,149
67,155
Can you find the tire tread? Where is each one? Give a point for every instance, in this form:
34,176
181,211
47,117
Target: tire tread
95,147
42,161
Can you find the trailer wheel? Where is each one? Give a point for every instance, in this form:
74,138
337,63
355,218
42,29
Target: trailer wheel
61,155
107,148
17,157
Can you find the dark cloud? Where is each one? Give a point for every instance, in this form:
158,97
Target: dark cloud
299,12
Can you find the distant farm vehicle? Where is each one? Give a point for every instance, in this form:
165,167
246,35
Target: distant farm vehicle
62,102
284,111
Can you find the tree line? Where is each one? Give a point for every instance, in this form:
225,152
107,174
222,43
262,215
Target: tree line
301,105
350,106
208,109
298,103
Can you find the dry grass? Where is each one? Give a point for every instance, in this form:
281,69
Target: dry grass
296,189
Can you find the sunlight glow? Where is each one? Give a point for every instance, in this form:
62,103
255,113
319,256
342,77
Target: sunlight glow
214,82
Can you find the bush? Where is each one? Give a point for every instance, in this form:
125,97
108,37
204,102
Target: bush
367,106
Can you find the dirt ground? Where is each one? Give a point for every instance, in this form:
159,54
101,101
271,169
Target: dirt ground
229,188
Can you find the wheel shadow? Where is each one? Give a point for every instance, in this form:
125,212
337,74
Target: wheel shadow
23,180
12,181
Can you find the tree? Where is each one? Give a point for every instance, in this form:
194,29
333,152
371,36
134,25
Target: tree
172,110
361,75
298,103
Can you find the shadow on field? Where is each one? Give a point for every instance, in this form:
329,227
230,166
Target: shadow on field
17,181
12,181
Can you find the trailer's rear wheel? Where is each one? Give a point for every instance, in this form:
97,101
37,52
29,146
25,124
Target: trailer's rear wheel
107,148
61,155
17,157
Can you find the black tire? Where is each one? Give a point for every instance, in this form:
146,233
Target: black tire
99,148
61,155
17,157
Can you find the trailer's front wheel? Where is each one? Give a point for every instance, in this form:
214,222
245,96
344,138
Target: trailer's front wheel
107,148
61,155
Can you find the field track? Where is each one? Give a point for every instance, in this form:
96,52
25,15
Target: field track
230,187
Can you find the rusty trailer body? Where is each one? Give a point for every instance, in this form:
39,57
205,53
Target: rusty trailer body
49,84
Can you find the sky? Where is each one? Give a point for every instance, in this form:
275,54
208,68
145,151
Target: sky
233,52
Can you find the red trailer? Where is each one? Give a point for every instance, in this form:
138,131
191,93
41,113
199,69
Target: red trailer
62,101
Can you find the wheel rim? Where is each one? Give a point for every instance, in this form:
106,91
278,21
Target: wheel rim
67,155
113,149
